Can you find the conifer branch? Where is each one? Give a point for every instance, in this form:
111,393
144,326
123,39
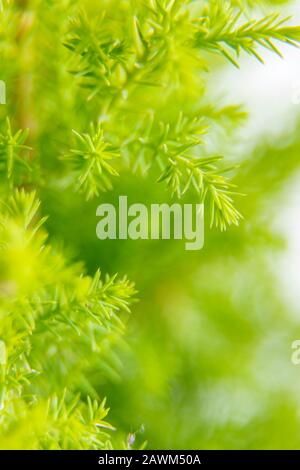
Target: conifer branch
165,49
221,28
13,160
45,306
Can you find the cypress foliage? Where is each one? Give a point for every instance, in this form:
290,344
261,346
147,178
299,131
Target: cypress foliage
96,90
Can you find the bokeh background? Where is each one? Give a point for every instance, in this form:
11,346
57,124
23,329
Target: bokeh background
206,362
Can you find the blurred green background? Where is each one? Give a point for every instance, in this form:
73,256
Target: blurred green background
207,357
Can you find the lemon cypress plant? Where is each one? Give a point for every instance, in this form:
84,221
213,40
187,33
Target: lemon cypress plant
95,91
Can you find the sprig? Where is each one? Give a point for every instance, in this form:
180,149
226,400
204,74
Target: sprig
52,317
75,424
13,158
96,53
91,161
205,177
221,29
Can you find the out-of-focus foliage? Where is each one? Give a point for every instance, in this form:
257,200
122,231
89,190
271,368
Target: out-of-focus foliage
118,88
57,325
